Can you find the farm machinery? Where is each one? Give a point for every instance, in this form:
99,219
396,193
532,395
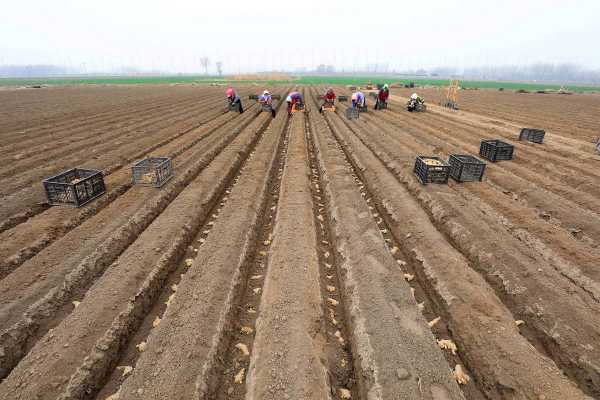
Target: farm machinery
451,95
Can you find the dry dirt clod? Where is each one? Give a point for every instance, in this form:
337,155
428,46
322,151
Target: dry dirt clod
459,374
174,287
201,240
401,263
448,345
246,330
239,377
421,306
394,250
433,322
345,394
156,322
141,347
320,218
339,337
243,348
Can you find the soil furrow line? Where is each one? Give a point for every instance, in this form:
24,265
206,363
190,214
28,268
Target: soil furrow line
288,355
50,289
25,241
223,272
559,318
572,254
383,313
549,198
111,308
58,133
488,339
97,144
113,161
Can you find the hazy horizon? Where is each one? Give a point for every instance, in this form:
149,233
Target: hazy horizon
250,37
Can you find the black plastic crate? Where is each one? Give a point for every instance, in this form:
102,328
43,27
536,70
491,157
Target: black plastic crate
495,150
466,168
351,113
152,171
532,135
74,187
431,170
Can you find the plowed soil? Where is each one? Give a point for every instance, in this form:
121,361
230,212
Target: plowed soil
298,257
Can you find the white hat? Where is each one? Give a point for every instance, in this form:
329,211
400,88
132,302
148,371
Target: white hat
266,92
414,96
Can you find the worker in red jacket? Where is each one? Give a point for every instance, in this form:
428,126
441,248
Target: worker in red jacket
382,96
329,98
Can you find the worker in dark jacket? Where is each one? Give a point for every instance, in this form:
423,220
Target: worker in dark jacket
329,99
382,97
294,99
233,98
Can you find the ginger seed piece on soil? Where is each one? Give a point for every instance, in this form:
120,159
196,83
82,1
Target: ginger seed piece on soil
76,303
243,348
201,240
126,370
448,345
141,347
256,277
170,299
189,262
333,302
262,253
256,290
345,394
239,377
267,242
156,322
433,322
114,396
394,250
409,277
330,288
519,322
174,287
246,330
459,374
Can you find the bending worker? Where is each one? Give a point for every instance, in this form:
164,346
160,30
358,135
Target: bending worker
267,100
329,98
294,99
358,100
233,98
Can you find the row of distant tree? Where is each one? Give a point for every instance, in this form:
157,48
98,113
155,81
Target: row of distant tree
536,72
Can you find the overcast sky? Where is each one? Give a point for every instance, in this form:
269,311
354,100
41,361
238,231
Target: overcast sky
254,35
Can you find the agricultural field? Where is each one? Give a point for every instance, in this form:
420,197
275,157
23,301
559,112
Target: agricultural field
298,257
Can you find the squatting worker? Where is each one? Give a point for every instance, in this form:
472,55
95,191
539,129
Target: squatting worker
233,98
358,99
329,98
267,99
294,98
